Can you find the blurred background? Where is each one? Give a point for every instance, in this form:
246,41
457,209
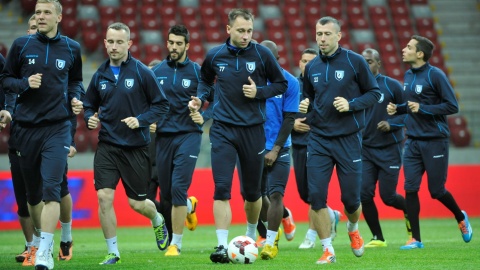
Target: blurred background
385,25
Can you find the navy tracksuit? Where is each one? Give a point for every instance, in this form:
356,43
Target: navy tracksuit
426,148
382,151
237,129
335,137
178,137
43,130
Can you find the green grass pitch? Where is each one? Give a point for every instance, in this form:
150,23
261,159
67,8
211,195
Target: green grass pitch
444,249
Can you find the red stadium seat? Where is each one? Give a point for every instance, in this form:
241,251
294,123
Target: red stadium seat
334,11
252,6
377,11
312,14
425,23
154,50
358,22
212,24
460,137
169,3
108,12
69,27
382,24
69,3
292,2
128,13
258,36
394,72
361,46
291,11
387,47
150,3
298,35
277,36
69,12
456,121
82,141
271,2
274,24
399,11
28,6
355,10
128,3
106,22
91,40
93,135
89,2
4,137
89,25
296,23
402,22
150,23
167,13
384,35
3,49
135,50
188,13
215,36
207,3
418,2
196,49
208,12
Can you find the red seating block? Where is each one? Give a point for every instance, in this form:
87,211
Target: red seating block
128,3
69,27
91,39
150,23
108,12
89,2
3,49
188,13
28,6
291,11
382,24
82,141
215,36
460,137
456,121
378,11
4,137
209,3
358,22
128,13
274,24
365,45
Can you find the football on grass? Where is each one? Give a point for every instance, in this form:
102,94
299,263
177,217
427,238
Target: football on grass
242,250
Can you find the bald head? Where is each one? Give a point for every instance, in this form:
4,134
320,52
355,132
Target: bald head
272,46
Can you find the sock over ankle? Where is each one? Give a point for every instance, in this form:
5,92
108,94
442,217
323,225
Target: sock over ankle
327,244
312,235
222,238
66,235
157,220
112,246
351,227
251,230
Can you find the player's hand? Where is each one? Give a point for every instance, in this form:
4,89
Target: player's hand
250,90
383,126
131,122
73,151
93,121
341,104
391,108
77,106
35,80
303,108
301,127
414,106
270,158
197,118
153,128
194,104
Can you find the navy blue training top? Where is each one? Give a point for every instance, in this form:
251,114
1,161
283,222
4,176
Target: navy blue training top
224,72
136,93
392,92
344,74
179,82
59,61
297,137
429,86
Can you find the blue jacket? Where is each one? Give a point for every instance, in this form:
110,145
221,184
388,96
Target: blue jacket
297,137
429,86
226,69
136,93
59,61
392,92
179,81
344,74
276,107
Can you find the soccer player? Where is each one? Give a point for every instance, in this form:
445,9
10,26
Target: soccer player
45,70
382,152
126,98
178,137
429,99
240,70
341,87
300,133
280,113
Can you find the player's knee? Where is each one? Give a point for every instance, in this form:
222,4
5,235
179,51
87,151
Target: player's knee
252,196
436,194
388,200
276,196
221,193
22,211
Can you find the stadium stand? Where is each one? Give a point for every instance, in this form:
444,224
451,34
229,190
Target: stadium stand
290,23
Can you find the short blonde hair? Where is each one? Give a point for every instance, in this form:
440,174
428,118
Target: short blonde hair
56,3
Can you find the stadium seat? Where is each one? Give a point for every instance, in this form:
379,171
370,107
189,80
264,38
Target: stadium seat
361,46
108,12
148,11
150,23
402,22
387,47
394,72
212,24
258,36
297,24
151,37
274,24
277,36
135,50
4,137
169,3
424,23
82,141
399,11
384,35
418,2
271,2
87,12
208,12
104,23
355,10
312,14
153,51
150,3
252,6
195,37
3,49
382,24
167,13
215,36
69,27
89,25
334,11
192,25
358,22
69,12
93,135
129,3
196,49
69,3
207,3
91,39
377,11
128,13
456,121
89,2
188,13
28,6
290,11
460,137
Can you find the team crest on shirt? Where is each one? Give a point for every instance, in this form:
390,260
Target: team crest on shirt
129,83
250,67
418,89
382,97
60,64
339,74
186,83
